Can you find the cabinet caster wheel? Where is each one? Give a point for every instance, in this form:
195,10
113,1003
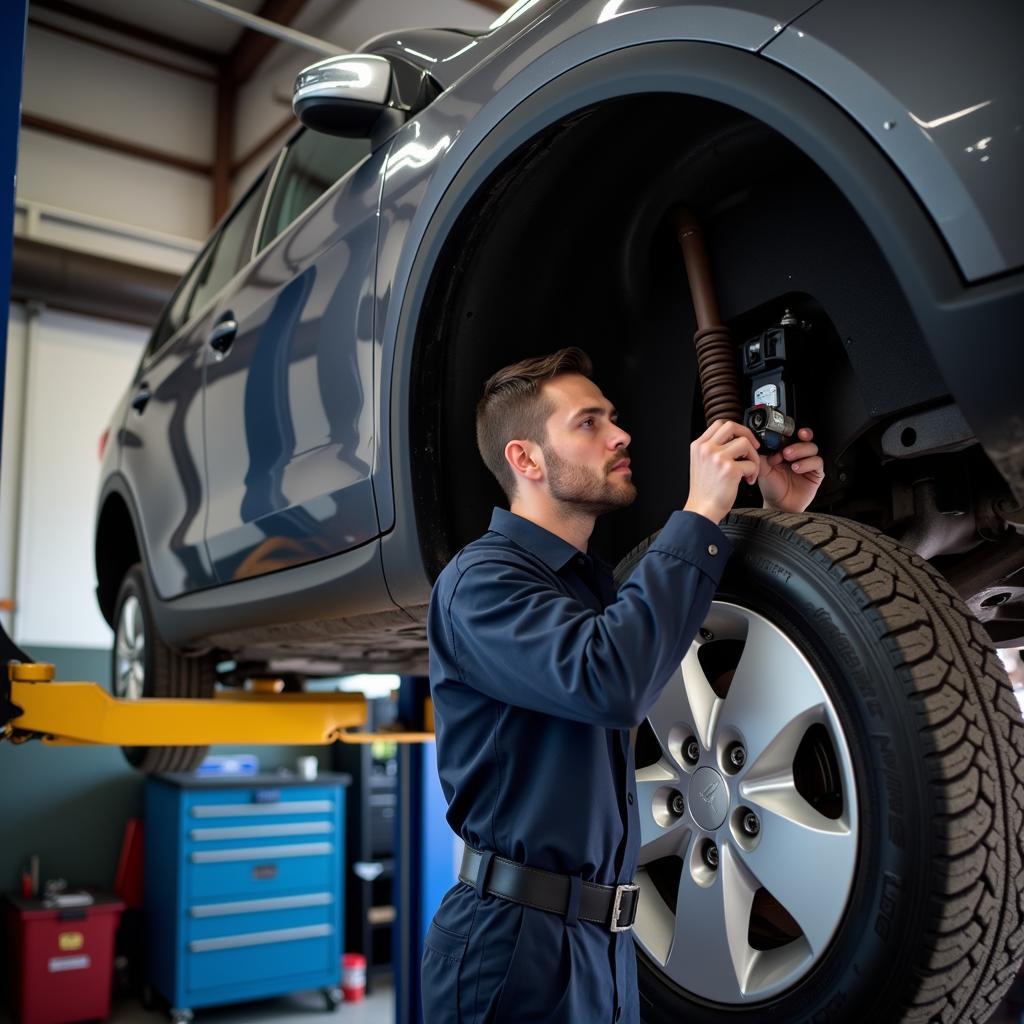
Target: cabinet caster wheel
333,998
180,1016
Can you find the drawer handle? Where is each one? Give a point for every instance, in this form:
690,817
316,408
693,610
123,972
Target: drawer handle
313,899
312,931
261,853
262,810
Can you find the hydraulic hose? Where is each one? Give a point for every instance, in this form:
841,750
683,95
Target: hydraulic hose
716,358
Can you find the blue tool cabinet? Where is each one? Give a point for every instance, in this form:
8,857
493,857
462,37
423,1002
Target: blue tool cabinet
244,887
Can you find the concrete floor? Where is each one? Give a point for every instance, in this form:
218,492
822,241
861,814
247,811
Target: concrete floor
297,1008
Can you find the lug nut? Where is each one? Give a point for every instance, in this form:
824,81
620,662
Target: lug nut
737,755
711,856
691,751
706,634
677,805
750,824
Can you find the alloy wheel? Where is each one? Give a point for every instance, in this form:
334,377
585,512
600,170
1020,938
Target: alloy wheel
748,814
130,651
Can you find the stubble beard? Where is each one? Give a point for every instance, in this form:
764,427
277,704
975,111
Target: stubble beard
584,491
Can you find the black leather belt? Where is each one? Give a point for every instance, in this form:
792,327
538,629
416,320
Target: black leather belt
613,906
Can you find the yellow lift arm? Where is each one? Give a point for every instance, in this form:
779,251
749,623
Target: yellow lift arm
36,707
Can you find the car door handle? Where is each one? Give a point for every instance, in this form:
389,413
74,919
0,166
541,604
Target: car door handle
141,398
222,337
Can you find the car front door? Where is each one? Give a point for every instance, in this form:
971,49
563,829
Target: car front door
288,388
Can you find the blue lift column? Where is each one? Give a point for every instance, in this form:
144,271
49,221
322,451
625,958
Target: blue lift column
12,57
425,851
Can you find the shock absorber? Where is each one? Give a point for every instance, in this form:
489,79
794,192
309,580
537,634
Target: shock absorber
716,359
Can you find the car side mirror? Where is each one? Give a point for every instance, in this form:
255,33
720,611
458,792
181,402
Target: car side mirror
346,95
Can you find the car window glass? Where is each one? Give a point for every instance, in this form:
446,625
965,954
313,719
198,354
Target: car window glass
312,164
175,313
230,250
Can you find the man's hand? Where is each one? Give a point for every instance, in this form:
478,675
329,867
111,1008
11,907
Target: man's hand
720,458
789,479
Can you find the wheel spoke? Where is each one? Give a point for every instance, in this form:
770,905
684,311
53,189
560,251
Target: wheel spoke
686,705
774,696
804,860
711,954
661,830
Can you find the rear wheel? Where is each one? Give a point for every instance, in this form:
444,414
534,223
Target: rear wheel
144,666
831,794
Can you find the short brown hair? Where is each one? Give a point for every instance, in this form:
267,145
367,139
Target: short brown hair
513,409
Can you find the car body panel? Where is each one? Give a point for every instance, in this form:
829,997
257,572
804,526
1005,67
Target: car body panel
428,151
289,430
956,137
164,465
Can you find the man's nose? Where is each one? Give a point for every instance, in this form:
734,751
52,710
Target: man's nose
620,439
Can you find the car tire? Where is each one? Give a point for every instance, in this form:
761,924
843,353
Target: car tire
925,885
142,665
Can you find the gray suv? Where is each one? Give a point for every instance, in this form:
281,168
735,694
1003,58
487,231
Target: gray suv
294,461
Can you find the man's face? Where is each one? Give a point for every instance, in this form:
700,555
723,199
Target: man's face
586,457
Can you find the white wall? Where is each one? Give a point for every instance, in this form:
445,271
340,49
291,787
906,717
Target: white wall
78,367
94,89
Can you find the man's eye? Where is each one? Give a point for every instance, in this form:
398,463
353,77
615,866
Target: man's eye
589,422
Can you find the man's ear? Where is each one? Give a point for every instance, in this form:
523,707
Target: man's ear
526,459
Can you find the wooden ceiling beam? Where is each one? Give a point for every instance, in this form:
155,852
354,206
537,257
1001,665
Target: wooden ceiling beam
124,51
492,5
251,50
145,35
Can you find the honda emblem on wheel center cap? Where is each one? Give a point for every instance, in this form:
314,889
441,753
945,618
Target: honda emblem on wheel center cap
709,798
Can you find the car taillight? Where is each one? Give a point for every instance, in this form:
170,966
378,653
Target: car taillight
104,437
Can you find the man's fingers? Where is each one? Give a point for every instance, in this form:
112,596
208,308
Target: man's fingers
804,466
799,451
727,430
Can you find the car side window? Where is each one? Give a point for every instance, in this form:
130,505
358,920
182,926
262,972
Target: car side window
311,165
177,310
230,250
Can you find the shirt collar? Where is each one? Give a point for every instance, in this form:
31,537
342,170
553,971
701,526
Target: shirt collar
554,552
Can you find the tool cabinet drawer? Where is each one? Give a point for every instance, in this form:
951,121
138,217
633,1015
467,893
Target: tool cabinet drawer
252,870
275,953
207,921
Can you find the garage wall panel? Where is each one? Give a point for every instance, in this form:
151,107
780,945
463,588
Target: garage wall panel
10,455
77,369
95,89
77,176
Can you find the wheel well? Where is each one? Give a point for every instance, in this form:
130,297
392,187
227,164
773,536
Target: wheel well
568,243
117,550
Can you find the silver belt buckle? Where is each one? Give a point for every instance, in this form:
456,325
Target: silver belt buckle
617,907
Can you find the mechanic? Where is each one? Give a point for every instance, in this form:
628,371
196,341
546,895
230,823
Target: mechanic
538,671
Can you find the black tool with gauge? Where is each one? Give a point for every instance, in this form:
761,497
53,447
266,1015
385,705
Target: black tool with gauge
771,414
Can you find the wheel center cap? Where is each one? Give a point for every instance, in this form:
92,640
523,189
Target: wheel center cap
709,798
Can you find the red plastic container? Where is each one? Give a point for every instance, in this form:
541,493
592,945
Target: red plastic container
62,959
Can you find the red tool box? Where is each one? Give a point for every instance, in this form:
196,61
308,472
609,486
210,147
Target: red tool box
61,958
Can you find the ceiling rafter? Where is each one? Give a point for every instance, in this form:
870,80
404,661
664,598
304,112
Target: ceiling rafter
252,48
492,5
124,51
73,10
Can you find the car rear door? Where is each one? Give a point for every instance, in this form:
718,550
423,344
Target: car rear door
288,390
162,439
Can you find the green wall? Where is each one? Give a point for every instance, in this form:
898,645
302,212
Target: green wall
69,804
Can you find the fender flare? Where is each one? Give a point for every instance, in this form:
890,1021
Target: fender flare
945,308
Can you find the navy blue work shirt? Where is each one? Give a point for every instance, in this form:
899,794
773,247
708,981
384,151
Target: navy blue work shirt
538,671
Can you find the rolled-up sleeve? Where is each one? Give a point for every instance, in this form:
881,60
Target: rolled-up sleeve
517,639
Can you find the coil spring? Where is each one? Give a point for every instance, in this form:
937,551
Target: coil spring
719,382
